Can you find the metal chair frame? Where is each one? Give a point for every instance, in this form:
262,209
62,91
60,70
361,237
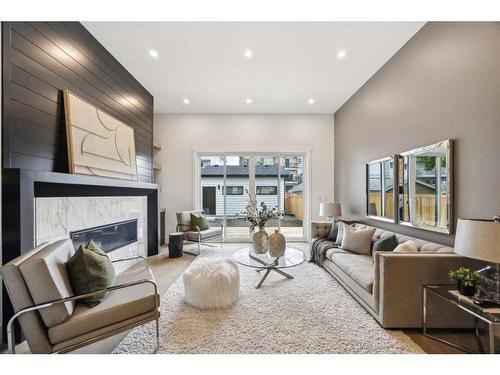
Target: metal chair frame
156,316
199,241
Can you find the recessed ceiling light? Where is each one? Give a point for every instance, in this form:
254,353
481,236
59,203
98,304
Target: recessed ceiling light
248,54
341,53
153,53
248,101
185,101
310,101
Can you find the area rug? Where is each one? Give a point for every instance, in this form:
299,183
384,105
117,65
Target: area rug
310,314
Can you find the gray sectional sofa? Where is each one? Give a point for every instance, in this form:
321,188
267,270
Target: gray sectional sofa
389,285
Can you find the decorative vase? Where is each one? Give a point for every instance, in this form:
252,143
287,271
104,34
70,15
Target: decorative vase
260,241
469,290
277,244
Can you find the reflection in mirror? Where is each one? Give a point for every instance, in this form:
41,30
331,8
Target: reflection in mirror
380,189
425,187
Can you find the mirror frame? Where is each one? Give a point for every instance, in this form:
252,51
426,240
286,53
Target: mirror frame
448,145
395,159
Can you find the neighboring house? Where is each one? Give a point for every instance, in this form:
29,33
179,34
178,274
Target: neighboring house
266,183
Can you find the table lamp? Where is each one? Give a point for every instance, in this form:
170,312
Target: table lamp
480,239
331,210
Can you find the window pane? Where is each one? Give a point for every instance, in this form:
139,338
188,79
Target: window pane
292,171
237,182
266,186
234,190
389,189
212,185
425,192
267,190
374,189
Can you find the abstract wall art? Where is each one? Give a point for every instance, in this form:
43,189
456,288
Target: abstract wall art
98,144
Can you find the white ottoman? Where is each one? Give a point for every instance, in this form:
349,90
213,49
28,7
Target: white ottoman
212,283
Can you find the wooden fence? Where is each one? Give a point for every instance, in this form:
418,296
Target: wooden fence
294,206
425,207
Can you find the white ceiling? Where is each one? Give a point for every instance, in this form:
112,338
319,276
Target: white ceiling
291,62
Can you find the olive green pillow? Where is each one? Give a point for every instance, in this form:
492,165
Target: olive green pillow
90,270
199,221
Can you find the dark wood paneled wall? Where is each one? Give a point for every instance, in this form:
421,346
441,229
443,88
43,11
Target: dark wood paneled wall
40,59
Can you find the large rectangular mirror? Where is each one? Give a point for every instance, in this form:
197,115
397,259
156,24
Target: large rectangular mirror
425,187
381,196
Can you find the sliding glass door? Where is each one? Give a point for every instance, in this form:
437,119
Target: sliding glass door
227,180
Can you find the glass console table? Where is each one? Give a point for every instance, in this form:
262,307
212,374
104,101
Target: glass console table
445,308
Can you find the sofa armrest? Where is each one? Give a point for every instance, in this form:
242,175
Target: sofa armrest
320,229
401,280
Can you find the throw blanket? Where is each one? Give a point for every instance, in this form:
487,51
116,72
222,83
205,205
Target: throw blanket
319,248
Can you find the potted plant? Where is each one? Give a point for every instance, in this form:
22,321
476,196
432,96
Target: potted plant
258,217
466,280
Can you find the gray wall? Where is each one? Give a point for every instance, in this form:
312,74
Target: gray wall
443,84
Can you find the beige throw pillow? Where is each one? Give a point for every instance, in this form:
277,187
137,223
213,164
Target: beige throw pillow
406,247
357,240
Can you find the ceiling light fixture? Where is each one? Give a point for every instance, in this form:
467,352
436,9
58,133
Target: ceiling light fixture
248,101
248,54
153,53
341,53
310,101
185,101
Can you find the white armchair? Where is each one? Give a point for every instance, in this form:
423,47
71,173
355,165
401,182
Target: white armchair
194,234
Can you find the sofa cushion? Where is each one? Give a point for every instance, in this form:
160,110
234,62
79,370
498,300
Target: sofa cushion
358,267
90,270
406,247
119,305
335,250
47,280
385,244
334,231
357,240
209,233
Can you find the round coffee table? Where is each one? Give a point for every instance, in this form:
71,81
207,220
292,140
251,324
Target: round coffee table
246,257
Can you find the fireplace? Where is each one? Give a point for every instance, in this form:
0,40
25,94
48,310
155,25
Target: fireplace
108,237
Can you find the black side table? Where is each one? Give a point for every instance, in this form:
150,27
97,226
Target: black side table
175,244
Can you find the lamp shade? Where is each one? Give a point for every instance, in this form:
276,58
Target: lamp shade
330,209
478,239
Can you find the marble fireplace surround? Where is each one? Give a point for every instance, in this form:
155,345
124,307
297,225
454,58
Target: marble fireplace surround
22,188
56,217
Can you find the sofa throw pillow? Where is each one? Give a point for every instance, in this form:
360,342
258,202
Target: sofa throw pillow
340,232
406,247
89,270
385,244
199,221
334,231
357,240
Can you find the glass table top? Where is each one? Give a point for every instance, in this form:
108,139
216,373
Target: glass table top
451,293
247,257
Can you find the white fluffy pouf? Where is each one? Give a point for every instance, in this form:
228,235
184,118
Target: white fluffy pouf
212,283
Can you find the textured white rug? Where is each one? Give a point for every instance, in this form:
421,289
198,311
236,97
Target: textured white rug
309,314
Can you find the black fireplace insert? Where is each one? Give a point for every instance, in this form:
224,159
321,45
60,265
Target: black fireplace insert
108,237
